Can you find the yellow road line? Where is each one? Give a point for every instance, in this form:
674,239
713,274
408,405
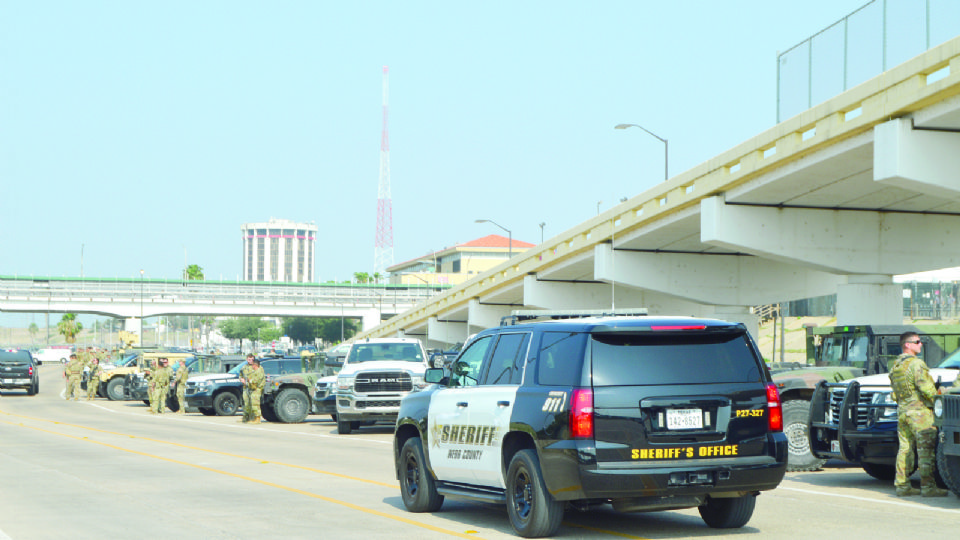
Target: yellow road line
198,449
604,531
256,481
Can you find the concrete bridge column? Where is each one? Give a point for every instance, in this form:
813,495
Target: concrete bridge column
448,332
135,325
869,299
369,319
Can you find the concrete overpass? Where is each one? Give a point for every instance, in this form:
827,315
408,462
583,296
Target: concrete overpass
837,199
134,299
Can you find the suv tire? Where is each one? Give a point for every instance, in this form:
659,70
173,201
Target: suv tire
533,511
881,471
291,406
344,427
731,513
417,487
226,404
796,415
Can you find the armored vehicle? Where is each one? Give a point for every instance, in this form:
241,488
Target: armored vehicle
946,411
642,413
287,397
839,353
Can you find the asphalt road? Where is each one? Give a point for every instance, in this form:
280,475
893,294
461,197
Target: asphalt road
106,469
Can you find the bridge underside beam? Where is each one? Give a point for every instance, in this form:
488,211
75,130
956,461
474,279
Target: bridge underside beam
924,161
836,241
716,279
445,332
482,316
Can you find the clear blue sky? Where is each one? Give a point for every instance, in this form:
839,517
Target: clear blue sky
138,133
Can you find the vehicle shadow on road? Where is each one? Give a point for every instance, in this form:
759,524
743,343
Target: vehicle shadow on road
581,524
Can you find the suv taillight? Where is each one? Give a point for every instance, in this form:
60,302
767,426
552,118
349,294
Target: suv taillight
30,371
774,409
581,414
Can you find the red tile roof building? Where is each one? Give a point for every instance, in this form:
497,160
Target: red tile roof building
454,265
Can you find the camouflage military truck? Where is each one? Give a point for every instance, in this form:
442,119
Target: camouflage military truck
839,353
287,397
112,376
946,411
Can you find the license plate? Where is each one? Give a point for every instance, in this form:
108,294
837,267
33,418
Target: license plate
684,419
835,447
16,381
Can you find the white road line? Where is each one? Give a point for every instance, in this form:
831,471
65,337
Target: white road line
873,500
3,536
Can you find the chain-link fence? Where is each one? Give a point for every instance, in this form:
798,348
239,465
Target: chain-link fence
879,35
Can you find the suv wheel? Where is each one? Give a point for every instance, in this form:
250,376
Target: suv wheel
729,513
416,485
291,406
880,471
796,414
226,404
207,411
115,389
533,511
344,427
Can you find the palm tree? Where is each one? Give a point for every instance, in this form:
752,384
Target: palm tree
193,272
361,277
33,329
69,327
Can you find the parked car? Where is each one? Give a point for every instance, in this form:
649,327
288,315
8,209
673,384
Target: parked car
54,354
18,370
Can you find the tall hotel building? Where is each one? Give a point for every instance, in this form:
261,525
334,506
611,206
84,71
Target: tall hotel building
279,250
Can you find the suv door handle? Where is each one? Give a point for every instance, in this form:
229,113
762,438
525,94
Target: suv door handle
503,404
461,404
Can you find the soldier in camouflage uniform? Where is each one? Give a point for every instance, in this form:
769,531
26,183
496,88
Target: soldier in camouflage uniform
253,380
161,384
148,376
181,382
914,391
93,378
73,371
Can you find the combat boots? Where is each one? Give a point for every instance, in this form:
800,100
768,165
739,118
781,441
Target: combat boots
932,491
907,491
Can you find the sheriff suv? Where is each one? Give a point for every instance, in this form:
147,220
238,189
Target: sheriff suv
565,410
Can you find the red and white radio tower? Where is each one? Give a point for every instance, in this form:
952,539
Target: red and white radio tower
383,250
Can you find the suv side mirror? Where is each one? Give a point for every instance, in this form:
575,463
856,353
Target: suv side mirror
433,375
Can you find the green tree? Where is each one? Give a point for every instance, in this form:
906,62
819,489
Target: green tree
301,329
33,329
270,334
69,327
243,328
361,277
330,329
193,272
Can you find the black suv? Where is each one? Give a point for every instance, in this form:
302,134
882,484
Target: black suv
18,369
644,413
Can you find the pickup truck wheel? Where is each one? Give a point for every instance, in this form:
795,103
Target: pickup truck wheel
115,389
33,390
731,513
225,404
533,511
796,414
207,411
948,468
292,406
344,427
880,471
416,485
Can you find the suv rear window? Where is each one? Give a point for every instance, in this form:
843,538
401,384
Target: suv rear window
371,352
676,358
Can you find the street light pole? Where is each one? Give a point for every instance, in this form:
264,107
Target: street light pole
509,234
666,167
542,225
141,308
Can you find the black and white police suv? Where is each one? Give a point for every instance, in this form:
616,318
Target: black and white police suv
643,413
